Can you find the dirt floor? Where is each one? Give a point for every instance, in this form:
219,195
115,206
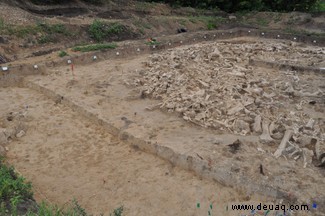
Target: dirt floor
65,157
161,131
77,158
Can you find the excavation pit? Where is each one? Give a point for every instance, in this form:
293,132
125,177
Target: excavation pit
198,107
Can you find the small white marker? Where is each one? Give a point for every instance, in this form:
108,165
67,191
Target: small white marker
181,42
214,35
4,68
154,46
314,41
138,49
35,67
117,53
69,61
278,36
169,44
249,31
95,57
263,33
295,38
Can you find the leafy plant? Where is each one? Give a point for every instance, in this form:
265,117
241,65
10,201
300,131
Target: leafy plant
99,30
13,188
45,39
52,29
263,22
2,24
62,53
211,26
94,47
117,211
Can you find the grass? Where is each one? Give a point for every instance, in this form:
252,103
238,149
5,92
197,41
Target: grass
100,30
141,25
13,189
144,6
182,21
151,43
44,32
117,211
45,39
262,22
210,22
302,32
277,18
62,53
94,47
53,29
2,24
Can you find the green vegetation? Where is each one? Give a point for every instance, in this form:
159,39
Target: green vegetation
117,212
45,209
151,43
143,6
53,29
263,22
94,47
44,32
290,30
250,5
45,39
99,30
2,24
211,22
13,190
319,6
62,53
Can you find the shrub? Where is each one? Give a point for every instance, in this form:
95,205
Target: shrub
62,54
99,30
13,188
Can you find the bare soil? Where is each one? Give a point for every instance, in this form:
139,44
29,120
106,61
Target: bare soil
66,155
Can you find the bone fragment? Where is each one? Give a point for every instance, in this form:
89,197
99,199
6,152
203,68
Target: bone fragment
308,156
283,144
235,109
257,124
265,136
320,150
310,124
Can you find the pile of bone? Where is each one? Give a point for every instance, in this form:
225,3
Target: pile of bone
213,86
12,126
291,53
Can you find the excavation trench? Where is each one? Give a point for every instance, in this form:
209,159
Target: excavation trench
103,97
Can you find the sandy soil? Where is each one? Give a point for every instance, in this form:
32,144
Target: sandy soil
65,157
